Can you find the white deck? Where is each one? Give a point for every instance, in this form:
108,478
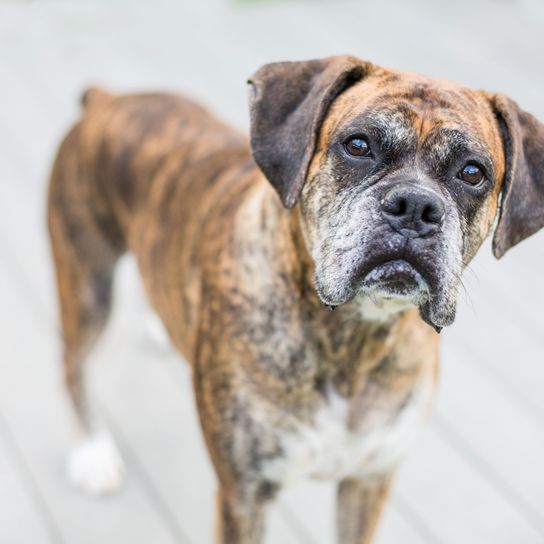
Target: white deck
475,476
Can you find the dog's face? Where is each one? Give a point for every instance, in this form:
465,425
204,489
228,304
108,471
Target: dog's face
398,176
401,191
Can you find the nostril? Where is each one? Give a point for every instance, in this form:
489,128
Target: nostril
396,206
428,214
432,214
401,206
413,209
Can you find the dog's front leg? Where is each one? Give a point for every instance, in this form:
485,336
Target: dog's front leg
359,507
241,515
239,441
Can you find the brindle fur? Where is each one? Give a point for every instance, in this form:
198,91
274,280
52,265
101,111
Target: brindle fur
232,272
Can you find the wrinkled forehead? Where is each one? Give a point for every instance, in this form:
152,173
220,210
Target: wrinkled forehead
436,114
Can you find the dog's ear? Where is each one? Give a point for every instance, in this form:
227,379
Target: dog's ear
522,204
288,102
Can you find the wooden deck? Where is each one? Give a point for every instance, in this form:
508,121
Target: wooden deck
476,474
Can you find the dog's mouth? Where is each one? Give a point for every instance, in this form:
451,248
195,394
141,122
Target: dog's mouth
398,279
398,282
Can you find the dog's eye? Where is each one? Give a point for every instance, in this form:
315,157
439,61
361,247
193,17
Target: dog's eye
357,146
471,174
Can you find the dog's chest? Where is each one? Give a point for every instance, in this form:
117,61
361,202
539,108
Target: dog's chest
329,449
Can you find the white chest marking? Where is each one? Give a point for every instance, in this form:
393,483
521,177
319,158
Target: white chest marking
328,449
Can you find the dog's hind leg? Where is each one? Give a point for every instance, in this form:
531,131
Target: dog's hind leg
85,250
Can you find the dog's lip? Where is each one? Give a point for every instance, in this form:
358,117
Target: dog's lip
398,276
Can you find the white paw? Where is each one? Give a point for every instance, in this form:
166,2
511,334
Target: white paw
95,465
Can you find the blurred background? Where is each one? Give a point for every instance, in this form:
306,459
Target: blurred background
475,475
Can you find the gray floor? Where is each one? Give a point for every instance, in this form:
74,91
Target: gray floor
476,474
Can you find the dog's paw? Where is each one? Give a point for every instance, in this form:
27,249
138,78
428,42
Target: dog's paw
95,465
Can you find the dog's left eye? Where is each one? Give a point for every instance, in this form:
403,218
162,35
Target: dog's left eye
357,146
471,174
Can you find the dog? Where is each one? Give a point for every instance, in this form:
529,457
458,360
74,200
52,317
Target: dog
364,190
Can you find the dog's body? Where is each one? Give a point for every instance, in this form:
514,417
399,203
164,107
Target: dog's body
285,387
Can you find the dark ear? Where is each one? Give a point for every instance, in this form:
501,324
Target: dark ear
522,206
288,102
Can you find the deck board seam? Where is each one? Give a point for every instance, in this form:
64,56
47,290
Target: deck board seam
27,480
491,475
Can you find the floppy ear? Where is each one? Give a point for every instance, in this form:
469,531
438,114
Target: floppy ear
288,102
522,206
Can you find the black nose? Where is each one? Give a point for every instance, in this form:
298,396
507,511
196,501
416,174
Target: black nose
413,211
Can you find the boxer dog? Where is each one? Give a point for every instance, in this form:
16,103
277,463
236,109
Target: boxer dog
364,190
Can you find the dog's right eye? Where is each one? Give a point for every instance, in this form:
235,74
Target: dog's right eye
357,146
471,174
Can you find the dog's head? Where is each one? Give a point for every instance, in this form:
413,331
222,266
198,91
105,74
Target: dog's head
398,176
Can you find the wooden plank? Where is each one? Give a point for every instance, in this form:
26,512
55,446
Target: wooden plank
502,442
454,500
499,325
23,516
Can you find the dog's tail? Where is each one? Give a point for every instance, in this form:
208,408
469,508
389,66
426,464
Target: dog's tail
95,96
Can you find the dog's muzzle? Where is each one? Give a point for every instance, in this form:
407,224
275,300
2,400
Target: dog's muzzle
405,266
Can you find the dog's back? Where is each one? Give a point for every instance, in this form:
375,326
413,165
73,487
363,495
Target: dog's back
127,144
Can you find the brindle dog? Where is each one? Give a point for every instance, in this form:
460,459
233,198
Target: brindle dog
375,189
